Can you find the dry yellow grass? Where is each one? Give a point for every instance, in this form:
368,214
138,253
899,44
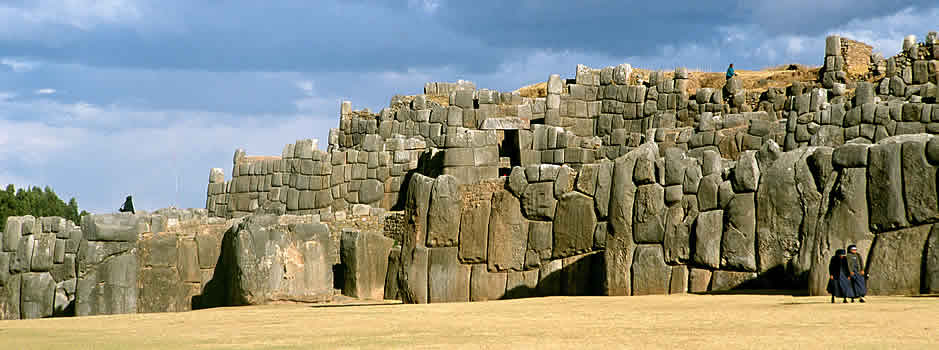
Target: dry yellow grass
754,81
651,322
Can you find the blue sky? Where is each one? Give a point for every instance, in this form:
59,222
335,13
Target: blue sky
104,98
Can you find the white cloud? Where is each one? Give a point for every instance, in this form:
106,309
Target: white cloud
46,91
19,65
427,6
5,96
79,14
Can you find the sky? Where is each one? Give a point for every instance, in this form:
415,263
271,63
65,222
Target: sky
100,99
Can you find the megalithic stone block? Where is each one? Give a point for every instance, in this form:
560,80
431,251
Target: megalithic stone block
448,279
365,257
444,213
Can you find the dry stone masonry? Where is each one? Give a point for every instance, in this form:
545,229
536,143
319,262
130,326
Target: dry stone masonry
604,184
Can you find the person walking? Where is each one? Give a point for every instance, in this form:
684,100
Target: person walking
839,282
730,72
856,269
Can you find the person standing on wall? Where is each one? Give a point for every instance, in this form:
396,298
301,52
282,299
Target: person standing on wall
730,72
128,206
856,268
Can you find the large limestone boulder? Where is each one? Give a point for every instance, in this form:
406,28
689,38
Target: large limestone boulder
508,233
650,275
888,212
365,261
739,240
448,280
574,225
708,238
538,201
896,259
444,213
787,208
842,221
931,278
618,256
649,223
270,262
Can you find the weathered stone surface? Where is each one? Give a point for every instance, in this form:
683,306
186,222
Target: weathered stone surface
851,155
649,223
677,242
540,242
518,181
37,295
919,184
707,233
587,179
10,297
391,275
270,263
931,279
538,201
474,231
787,207
699,280
162,290
444,213
188,264
412,280
573,225
371,191
521,284
650,275
108,287
24,254
417,205
747,173
678,282
708,191
12,232
210,245
508,233
159,250
845,221
730,280
447,279
618,256
485,285
365,260
738,242
884,173
604,184
43,252
895,265
112,227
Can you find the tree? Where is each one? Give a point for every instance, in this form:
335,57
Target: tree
36,202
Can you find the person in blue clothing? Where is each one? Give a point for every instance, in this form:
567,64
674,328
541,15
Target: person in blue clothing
856,268
730,72
839,277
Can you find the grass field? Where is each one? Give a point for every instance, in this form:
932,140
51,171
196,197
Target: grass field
660,322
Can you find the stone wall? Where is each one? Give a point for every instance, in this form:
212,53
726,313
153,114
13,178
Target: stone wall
38,267
645,224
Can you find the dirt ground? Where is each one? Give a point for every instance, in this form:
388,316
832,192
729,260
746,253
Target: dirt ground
649,322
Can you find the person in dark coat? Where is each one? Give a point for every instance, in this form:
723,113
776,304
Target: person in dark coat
128,206
839,278
856,268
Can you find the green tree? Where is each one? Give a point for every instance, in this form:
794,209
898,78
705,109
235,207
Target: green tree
36,202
